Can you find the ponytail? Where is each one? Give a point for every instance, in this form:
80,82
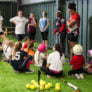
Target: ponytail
17,47
59,49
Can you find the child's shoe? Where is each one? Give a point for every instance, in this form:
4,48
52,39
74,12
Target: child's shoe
50,76
81,76
76,76
29,71
17,72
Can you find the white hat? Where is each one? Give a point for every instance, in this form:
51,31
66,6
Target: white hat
77,49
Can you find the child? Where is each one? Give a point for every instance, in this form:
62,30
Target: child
20,23
89,66
30,51
39,57
18,62
7,49
27,41
44,25
54,62
77,62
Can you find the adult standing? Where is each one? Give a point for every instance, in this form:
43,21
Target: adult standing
2,36
44,25
1,30
19,22
32,23
60,30
73,26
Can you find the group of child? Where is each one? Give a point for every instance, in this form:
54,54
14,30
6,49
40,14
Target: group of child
21,55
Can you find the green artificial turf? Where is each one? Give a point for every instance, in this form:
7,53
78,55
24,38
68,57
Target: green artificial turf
12,82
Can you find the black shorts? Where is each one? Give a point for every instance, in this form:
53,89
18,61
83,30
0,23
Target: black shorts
44,35
72,37
20,37
32,36
1,33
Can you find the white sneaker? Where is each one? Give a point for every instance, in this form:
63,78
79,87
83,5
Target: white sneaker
50,76
77,76
81,76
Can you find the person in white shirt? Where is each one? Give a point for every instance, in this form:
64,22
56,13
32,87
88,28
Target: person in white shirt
40,57
1,30
2,36
20,23
7,49
54,62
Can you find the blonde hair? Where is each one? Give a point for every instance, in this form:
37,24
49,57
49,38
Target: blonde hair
17,47
11,42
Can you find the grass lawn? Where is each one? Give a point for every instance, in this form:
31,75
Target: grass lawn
12,82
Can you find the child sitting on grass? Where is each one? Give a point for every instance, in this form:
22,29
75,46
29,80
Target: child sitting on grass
30,51
18,62
27,41
7,49
77,62
55,61
40,57
89,66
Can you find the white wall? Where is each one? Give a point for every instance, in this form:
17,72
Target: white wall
9,0
33,1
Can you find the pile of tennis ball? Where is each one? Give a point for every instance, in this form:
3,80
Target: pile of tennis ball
43,85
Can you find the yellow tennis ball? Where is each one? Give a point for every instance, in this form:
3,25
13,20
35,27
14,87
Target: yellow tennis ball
28,86
33,81
41,88
57,84
32,87
50,85
57,88
36,85
47,87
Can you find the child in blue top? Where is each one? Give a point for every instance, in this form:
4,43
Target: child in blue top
18,60
43,25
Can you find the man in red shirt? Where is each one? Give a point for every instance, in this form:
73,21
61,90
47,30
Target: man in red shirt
73,25
77,62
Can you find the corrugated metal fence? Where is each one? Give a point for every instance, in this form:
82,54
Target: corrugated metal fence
8,10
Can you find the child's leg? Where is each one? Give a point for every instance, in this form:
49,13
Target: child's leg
62,41
48,72
72,72
57,38
25,65
44,63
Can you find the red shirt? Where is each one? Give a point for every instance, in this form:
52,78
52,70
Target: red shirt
25,46
76,18
77,61
31,29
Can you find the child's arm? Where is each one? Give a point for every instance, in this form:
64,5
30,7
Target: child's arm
88,66
47,65
47,25
40,26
